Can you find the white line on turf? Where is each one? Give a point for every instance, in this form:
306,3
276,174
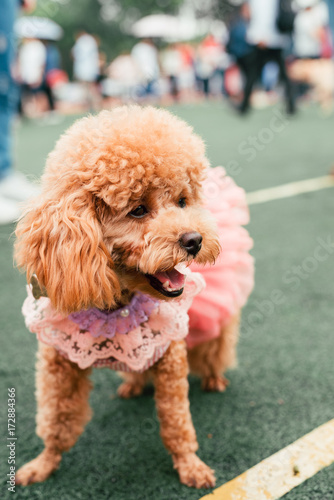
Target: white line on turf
278,474
289,190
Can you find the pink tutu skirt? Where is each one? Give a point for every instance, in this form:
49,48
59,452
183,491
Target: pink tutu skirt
230,281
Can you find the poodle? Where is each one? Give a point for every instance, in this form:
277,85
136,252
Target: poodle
115,250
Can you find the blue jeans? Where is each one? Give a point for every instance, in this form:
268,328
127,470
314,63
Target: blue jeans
7,86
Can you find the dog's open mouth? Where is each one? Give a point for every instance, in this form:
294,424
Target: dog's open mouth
169,283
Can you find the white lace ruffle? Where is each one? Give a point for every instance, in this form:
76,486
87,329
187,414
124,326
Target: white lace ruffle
136,349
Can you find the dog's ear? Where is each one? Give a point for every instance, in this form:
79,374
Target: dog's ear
61,243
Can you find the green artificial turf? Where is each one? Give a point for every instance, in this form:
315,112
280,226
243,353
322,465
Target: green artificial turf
283,387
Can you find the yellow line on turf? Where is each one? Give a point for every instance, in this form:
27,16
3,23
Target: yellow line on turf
277,475
291,189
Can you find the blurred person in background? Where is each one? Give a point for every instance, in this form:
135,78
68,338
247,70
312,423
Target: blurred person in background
208,57
172,65
269,44
31,70
102,76
146,57
86,65
312,36
187,78
330,5
123,78
52,68
238,46
14,187
313,67
103,65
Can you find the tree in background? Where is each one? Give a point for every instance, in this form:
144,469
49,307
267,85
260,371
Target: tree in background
216,9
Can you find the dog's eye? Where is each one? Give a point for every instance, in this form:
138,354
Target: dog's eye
182,202
139,212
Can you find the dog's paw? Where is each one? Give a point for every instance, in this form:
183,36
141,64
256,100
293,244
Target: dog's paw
128,390
215,384
37,470
193,472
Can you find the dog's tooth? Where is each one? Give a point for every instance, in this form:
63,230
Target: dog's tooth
166,285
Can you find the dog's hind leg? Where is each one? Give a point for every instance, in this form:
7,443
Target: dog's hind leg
133,384
211,359
176,427
62,391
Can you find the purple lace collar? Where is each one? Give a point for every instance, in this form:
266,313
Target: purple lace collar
123,320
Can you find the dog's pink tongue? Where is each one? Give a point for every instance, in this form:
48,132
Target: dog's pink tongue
176,279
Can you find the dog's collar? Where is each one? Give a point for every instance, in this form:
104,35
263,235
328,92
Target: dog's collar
122,320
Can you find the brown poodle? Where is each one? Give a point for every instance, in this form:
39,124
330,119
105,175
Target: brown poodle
121,209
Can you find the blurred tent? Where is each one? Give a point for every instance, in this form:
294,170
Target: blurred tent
38,27
170,28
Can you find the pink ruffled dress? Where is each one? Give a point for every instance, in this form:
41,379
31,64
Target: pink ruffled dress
230,281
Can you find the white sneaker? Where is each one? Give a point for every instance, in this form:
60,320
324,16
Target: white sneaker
17,187
9,211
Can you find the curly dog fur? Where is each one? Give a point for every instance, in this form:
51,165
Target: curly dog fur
87,251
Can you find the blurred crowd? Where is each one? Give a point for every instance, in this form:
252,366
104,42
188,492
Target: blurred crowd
176,71
244,62
265,48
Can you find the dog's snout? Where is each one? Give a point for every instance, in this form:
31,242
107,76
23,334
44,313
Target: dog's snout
191,242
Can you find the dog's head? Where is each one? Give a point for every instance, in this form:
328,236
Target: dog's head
120,208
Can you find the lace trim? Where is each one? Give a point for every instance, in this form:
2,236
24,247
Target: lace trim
122,367
167,322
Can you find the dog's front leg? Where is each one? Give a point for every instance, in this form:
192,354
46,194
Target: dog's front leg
176,427
62,411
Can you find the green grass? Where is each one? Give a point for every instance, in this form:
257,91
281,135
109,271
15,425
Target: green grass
283,387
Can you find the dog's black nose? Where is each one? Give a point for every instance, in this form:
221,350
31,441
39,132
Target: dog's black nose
192,242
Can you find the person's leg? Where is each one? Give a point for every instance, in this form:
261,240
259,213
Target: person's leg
5,142
278,56
242,63
223,88
252,67
174,88
49,95
7,91
206,87
9,210
13,185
